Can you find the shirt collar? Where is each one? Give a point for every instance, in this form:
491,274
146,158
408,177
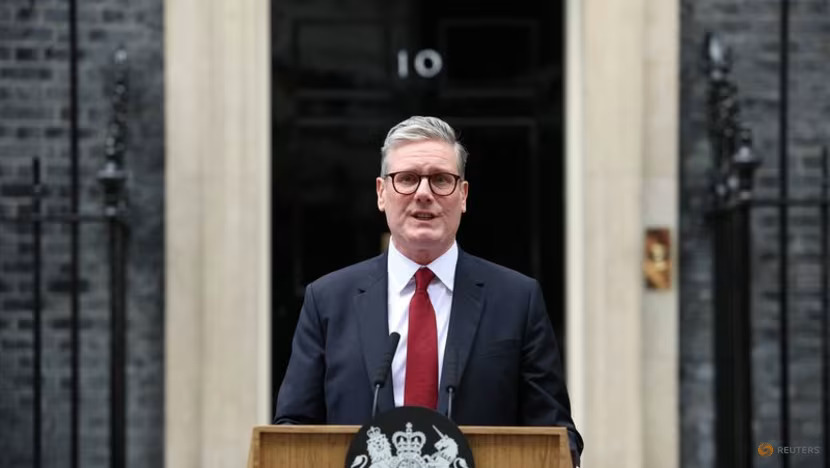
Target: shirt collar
402,270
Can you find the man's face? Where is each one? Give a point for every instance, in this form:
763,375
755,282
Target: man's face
423,225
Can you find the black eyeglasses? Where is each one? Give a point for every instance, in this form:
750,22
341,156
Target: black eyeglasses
407,182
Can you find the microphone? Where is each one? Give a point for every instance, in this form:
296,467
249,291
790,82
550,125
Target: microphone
451,377
382,372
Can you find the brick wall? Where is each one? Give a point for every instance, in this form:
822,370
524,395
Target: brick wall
34,122
751,28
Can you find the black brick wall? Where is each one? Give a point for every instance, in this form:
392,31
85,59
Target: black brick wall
34,122
751,28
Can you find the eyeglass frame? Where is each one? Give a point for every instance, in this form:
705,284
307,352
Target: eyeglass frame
421,177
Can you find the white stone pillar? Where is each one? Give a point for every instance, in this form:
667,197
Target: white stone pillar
217,223
660,204
621,174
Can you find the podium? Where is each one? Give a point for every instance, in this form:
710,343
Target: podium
327,446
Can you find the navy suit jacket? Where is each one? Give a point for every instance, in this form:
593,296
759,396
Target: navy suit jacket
508,361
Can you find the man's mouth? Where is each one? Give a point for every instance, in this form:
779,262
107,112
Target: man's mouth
423,216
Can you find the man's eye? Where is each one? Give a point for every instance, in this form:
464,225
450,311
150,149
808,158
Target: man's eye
441,180
407,179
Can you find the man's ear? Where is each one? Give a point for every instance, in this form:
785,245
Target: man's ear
465,189
379,188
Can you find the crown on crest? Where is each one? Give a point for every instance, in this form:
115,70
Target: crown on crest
374,433
409,442
378,445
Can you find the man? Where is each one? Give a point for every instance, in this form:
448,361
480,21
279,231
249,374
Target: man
440,299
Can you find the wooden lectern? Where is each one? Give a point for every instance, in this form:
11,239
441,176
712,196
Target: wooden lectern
327,446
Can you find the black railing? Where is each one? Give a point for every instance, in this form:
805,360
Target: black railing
732,180
112,178
733,202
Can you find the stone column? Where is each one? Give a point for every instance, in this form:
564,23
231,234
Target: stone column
660,205
217,317
621,174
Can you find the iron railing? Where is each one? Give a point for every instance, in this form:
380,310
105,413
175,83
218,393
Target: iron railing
733,202
112,178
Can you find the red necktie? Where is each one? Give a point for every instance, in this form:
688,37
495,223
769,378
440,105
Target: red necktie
421,387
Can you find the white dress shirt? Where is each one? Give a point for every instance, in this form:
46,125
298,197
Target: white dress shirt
401,274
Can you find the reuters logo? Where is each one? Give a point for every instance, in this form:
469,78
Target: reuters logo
765,449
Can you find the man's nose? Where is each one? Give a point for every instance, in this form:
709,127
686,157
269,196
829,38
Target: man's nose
424,191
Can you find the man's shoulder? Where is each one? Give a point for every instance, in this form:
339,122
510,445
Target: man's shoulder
351,276
493,272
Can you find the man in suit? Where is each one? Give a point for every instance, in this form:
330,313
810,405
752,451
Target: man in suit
441,301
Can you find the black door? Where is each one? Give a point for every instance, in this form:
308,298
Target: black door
345,72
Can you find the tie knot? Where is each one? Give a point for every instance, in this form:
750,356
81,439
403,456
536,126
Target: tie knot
422,278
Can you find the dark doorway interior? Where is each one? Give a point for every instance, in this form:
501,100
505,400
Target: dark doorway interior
345,72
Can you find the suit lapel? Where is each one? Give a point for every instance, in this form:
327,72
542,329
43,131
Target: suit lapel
467,305
370,306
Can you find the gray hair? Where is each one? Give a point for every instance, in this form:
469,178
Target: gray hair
419,128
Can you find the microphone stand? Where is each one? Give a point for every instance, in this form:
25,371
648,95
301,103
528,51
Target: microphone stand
375,401
450,396
382,373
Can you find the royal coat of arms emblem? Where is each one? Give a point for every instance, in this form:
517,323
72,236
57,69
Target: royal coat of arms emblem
409,447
